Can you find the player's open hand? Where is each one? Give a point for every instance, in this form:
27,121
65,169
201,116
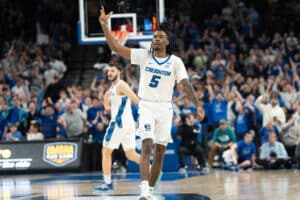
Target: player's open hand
103,18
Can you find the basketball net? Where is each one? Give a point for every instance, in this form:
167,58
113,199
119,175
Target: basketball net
121,35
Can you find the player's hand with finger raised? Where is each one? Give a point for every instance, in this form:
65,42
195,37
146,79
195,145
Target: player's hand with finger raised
103,18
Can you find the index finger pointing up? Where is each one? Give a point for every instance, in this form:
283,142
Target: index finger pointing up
102,10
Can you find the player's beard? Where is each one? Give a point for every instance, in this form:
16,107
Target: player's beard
113,78
157,49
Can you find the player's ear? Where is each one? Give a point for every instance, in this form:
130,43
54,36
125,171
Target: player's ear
168,42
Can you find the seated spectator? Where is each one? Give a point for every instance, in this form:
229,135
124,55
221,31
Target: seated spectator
273,155
223,139
13,135
243,152
34,132
188,132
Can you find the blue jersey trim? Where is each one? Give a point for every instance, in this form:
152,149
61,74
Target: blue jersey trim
120,112
110,131
163,62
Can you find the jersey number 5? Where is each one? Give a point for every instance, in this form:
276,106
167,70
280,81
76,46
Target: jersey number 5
154,81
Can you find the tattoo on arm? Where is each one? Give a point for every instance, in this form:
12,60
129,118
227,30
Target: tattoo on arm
189,91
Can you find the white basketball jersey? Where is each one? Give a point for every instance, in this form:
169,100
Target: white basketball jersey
120,108
157,76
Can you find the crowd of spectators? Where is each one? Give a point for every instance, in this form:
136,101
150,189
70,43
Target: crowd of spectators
27,72
30,68
247,83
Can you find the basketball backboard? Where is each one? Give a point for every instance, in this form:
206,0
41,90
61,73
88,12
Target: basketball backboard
138,17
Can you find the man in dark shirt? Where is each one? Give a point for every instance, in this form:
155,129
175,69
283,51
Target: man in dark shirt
53,90
189,133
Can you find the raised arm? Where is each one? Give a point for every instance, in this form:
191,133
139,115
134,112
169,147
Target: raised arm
62,121
238,95
259,103
124,89
295,72
111,41
93,85
287,125
227,88
211,93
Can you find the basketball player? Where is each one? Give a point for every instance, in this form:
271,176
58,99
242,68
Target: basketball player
121,128
159,70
